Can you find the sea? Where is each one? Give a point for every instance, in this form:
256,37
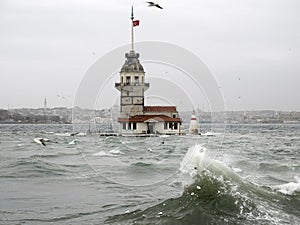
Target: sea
247,174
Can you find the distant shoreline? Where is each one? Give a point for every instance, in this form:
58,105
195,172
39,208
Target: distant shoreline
62,115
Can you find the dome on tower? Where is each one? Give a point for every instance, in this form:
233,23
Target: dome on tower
132,63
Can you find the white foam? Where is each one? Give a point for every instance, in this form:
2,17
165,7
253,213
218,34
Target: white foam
289,188
209,134
115,151
63,134
196,160
68,134
164,136
192,161
236,170
131,142
102,153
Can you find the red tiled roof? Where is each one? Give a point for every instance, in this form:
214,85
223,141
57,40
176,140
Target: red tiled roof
143,118
160,109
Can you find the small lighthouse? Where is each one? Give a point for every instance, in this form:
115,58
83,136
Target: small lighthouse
193,125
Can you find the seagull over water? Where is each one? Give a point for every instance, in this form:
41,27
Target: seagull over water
154,4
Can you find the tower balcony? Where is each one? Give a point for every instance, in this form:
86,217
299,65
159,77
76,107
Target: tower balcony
130,86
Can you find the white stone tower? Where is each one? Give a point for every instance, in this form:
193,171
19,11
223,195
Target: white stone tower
132,82
135,118
132,86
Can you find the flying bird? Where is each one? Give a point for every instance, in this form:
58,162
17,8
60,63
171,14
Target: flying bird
41,141
73,134
151,4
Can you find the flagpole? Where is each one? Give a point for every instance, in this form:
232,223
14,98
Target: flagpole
132,40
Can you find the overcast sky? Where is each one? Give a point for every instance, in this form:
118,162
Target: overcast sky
251,46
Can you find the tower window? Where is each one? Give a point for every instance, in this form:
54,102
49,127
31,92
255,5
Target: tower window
136,80
124,126
128,80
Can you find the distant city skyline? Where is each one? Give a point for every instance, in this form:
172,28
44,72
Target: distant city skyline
252,47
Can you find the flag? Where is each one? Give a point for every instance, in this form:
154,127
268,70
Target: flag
135,23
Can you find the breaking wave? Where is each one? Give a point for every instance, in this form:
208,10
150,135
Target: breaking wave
289,188
214,194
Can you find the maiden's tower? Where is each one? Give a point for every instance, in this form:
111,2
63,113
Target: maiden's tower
135,118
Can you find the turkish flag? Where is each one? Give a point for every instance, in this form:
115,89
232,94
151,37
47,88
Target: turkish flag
135,23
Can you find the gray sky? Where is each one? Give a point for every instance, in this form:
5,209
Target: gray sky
251,46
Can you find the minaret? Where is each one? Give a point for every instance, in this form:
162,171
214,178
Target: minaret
193,125
45,104
132,82
45,108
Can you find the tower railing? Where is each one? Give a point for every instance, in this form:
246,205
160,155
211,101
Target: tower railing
131,84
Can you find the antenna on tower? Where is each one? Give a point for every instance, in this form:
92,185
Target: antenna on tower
132,38
133,24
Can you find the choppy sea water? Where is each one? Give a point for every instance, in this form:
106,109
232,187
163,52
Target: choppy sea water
254,178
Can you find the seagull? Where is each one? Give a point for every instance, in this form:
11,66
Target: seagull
41,141
73,134
154,4
73,142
